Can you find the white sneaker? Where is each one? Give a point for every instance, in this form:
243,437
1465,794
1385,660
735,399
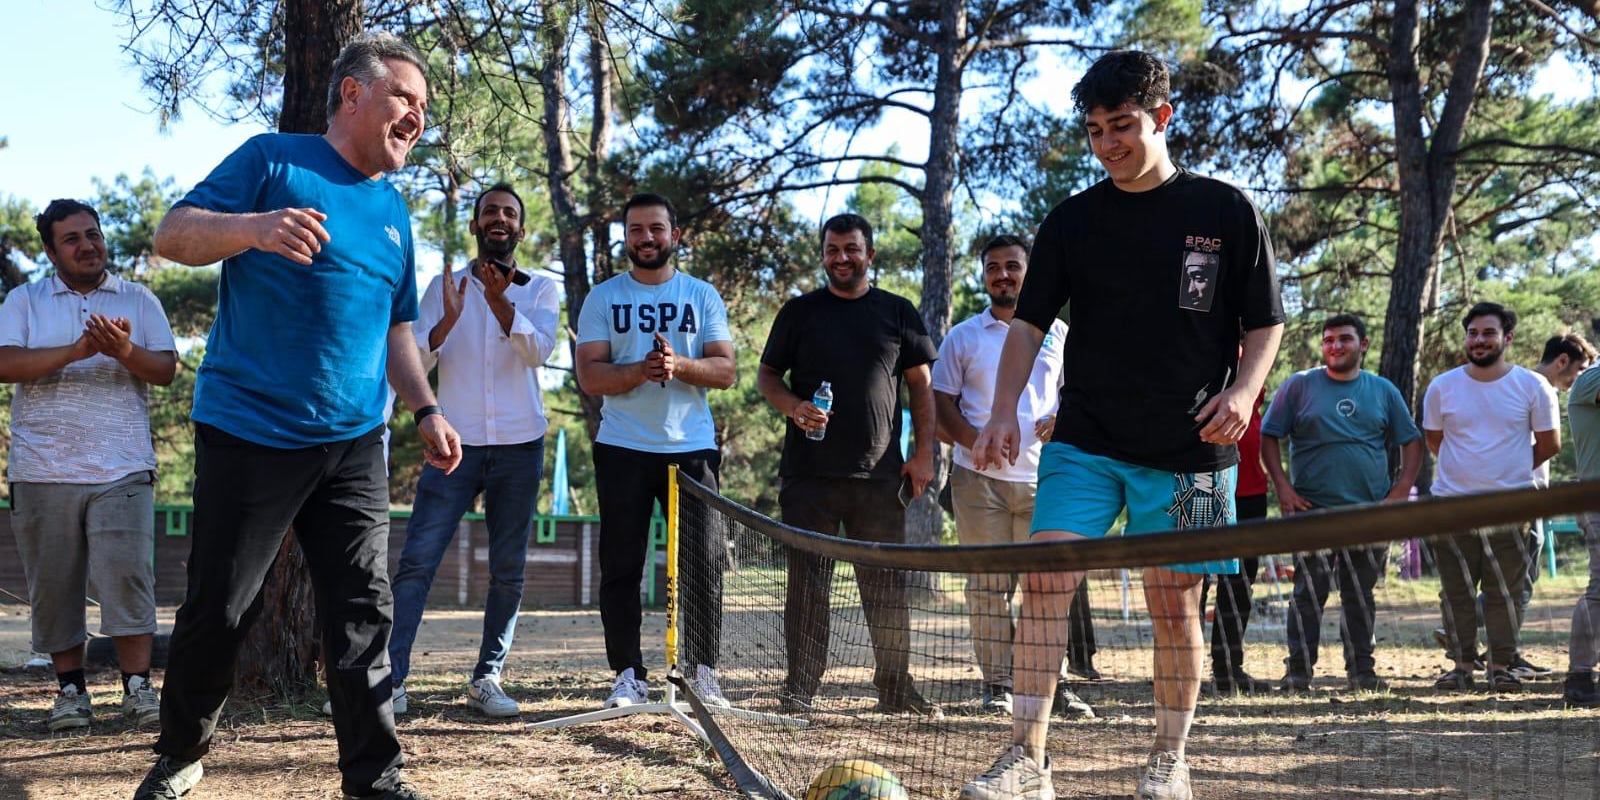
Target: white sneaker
627,691
997,699
705,686
486,696
401,704
141,704
1166,777
72,709
1014,776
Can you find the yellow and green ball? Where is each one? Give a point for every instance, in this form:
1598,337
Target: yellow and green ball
856,780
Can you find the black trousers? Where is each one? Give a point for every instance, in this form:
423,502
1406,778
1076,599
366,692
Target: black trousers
1234,599
627,481
246,496
1080,630
1355,571
869,509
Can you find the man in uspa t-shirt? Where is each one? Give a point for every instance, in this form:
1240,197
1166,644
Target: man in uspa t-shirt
1478,420
652,341
865,342
1178,269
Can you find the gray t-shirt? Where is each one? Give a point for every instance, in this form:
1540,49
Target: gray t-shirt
87,422
1583,413
1338,432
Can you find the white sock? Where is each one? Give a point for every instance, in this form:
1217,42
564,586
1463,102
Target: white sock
1172,728
1031,724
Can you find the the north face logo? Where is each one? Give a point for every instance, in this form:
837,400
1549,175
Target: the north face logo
394,235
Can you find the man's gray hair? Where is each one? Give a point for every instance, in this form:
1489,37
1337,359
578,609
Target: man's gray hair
363,59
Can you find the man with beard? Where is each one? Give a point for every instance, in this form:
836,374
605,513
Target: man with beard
488,334
84,347
1340,421
317,295
1478,420
652,341
866,343
995,505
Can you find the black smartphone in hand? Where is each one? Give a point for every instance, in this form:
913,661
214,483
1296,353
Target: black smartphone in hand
516,277
906,495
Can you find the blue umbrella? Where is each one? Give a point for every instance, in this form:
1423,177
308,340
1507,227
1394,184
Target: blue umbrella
559,505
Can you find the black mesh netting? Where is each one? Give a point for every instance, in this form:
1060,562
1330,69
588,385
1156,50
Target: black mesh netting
833,650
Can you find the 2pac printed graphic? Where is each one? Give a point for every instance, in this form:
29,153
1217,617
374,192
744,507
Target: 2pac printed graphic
1197,283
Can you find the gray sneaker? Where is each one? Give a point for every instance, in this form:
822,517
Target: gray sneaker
71,710
141,704
400,701
997,699
1068,705
169,779
707,688
1013,777
1166,777
485,696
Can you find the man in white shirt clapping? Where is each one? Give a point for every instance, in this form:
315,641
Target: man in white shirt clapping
488,332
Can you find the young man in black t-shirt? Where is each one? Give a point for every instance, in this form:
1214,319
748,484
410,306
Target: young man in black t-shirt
865,342
1160,261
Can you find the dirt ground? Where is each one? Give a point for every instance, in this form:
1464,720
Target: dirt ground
1407,742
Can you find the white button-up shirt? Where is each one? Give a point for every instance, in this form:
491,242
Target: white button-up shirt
488,379
968,362
88,422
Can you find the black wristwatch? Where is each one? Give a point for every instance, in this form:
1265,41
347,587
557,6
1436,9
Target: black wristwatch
423,413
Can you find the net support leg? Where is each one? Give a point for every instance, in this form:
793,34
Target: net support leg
672,707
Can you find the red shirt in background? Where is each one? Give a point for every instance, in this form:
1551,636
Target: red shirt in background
1252,477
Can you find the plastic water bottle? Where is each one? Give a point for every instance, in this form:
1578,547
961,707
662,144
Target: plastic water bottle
823,399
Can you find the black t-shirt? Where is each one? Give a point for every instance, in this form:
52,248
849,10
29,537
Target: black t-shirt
861,347
1161,282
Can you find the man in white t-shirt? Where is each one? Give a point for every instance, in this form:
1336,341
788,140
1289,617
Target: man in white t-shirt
652,341
1478,420
995,505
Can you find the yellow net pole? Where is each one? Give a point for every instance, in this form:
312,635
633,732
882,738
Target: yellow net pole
672,567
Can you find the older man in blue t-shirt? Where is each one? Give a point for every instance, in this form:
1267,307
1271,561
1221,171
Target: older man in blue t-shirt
1339,421
317,295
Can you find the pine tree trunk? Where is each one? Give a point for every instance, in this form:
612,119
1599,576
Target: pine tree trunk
279,656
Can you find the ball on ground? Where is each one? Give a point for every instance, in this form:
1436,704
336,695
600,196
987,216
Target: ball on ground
856,779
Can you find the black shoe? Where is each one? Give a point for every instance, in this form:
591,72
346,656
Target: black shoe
1502,680
1368,682
169,779
1580,691
1526,671
1455,679
908,701
1067,705
1084,670
401,791
794,701
1295,683
1240,682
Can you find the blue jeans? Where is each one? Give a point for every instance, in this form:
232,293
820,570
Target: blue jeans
508,476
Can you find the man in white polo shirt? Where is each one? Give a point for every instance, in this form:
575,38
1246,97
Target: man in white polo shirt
1478,420
995,505
83,347
488,333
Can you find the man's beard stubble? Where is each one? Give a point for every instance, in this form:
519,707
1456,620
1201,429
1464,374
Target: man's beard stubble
663,254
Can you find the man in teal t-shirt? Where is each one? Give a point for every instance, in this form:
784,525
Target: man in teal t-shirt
1583,414
1339,420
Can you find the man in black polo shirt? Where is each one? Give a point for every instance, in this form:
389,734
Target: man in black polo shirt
865,342
1155,261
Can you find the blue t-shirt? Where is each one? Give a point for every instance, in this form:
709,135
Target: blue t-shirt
628,314
297,355
1338,432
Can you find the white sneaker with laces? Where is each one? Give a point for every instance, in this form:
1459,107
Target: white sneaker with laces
72,709
627,691
141,704
705,686
1014,776
401,703
1166,777
486,696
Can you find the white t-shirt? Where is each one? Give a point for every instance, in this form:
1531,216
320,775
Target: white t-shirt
689,313
88,422
1541,473
1488,429
969,358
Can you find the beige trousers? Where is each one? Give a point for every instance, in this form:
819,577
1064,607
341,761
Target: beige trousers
990,511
